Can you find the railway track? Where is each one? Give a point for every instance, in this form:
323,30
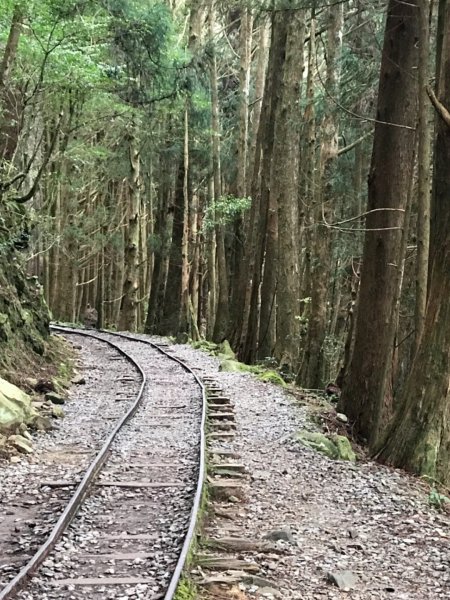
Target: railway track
126,530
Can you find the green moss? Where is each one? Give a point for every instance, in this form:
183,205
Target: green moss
206,346
225,350
428,453
344,448
319,442
272,377
337,447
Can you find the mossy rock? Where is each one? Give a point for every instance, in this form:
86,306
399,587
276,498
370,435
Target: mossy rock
57,412
209,347
272,377
21,443
231,366
226,351
319,442
344,448
15,407
337,447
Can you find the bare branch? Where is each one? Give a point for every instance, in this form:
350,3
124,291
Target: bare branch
440,108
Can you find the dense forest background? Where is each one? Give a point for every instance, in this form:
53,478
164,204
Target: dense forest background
271,173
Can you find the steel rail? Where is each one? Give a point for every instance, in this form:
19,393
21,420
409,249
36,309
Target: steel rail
19,581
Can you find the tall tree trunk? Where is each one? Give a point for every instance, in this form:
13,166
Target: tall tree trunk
261,192
419,439
312,365
245,45
222,312
12,43
423,208
185,263
366,384
284,188
128,313
170,321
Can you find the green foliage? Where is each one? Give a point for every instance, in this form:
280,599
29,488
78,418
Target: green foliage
436,499
224,210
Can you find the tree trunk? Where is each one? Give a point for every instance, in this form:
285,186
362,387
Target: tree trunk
423,208
261,191
420,437
222,312
284,188
311,374
128,314
366,385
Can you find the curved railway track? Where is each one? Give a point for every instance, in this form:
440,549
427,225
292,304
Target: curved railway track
151,496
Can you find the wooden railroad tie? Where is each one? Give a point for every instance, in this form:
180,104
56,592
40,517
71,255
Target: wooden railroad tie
217,563
221,435
237,544
235,467
220,407
121,484
221,415
219,399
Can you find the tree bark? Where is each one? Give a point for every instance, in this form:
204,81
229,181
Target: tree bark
284,188
128,312
423,208
366,385
419,439
311,374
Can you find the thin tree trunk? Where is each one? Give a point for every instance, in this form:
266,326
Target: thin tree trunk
222,312
311,374
128,314
423,208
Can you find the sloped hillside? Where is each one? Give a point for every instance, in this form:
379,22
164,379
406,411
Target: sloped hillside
24,316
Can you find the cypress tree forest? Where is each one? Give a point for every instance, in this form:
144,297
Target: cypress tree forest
270,173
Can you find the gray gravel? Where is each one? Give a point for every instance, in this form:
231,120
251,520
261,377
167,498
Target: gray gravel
158,446
122,531
367,519
30,509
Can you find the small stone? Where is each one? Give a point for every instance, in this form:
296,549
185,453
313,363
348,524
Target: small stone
43,424
79,380
57,412
284,535
54,398
344,580
342,418
20,443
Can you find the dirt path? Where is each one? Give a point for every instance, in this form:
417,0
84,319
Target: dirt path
365,518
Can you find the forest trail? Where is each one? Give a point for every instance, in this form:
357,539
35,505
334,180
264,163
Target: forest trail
370,521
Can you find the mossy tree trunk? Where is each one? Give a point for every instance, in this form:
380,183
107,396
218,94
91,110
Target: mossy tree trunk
419,439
